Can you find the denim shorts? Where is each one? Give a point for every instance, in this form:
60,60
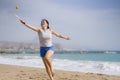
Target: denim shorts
43,50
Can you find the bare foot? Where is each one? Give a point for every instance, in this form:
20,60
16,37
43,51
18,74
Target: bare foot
52,78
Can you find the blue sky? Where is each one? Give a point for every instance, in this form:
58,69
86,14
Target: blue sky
91,24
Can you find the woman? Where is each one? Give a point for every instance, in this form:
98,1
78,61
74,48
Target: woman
46,46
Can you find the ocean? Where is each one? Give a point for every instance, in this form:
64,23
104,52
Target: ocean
103,63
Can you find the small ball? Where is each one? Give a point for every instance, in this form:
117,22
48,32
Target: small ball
17,7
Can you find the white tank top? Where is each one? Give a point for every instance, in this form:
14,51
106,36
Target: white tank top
45,38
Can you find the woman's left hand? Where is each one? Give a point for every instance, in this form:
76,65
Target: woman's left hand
67,38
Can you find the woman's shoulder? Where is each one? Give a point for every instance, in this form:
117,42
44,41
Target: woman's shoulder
38,29
51,29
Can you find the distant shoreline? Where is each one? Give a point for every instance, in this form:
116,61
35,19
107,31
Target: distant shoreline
34,51
7,47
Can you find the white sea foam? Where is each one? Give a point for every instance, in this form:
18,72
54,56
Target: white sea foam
89,66
112,68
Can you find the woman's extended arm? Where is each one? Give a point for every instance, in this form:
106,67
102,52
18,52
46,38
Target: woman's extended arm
29,26
59,35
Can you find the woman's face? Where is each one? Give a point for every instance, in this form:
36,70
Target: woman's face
44,23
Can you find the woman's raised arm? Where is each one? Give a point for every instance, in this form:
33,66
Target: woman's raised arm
29,26
59,35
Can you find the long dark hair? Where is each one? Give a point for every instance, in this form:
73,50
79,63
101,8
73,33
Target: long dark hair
46,22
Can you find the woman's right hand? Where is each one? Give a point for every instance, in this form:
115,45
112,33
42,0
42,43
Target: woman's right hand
22,22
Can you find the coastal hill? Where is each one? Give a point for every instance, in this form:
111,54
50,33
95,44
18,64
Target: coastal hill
24,47
21,47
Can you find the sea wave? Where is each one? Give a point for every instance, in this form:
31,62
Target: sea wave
89,66
112,68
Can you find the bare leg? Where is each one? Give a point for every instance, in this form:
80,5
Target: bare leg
48,63
48,60
48,69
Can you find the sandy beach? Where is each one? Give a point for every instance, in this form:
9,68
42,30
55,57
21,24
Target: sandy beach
13,72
